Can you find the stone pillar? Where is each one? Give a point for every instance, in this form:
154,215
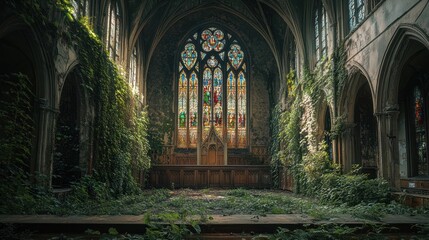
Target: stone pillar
45,138
388,162
348,147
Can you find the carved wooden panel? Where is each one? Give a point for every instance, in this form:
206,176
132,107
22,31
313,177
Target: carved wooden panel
251,176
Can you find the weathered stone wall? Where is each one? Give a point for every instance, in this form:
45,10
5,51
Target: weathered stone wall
367,44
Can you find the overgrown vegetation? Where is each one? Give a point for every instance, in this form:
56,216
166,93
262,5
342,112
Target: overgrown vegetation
120,124
17,131
296,148
177,214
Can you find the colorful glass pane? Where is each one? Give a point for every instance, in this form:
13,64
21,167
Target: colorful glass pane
182,109
212,62
244,67
420,129
241,104
180,66
206,34
193,109
203,55
218,34
222,55
217,100
235,55
189,56
212,41
231,106
229,36
207,100
195,36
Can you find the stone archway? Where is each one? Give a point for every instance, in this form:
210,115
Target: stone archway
399,52
356,107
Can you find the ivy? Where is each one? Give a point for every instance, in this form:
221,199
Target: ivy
120,126
16,123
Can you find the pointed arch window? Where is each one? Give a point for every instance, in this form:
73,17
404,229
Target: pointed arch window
80,8
113,29
418,131
320,32
356,12
212,89
132,77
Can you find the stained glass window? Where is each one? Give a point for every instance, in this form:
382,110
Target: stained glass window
356,12
320,32
420,132
112,31
212,64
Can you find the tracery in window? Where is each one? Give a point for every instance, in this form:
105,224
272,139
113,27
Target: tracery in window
112,31
132,78
356,12
321,33
213,61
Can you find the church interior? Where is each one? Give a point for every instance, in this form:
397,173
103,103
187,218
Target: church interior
253,94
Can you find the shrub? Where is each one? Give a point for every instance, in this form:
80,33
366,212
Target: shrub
352,189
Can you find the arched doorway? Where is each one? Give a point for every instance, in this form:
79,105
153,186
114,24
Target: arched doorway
66,164
18,116
413,125
365,132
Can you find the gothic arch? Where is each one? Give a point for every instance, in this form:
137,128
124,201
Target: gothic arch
356,95
29,44
358,76
392,63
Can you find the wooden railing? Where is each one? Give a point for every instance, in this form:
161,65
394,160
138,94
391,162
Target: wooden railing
192,176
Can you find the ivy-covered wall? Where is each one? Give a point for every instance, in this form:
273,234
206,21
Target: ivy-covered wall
120,142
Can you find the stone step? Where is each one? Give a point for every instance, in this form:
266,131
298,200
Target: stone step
216,226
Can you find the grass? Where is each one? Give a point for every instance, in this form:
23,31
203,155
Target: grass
208,202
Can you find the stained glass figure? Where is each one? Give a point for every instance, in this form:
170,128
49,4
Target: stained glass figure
182,109
241,104
231,114
207,101
193,109
217,100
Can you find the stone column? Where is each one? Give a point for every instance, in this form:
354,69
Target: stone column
45,138
348,146
388,162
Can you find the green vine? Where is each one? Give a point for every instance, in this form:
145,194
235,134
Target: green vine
16,123
294,139
120,127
